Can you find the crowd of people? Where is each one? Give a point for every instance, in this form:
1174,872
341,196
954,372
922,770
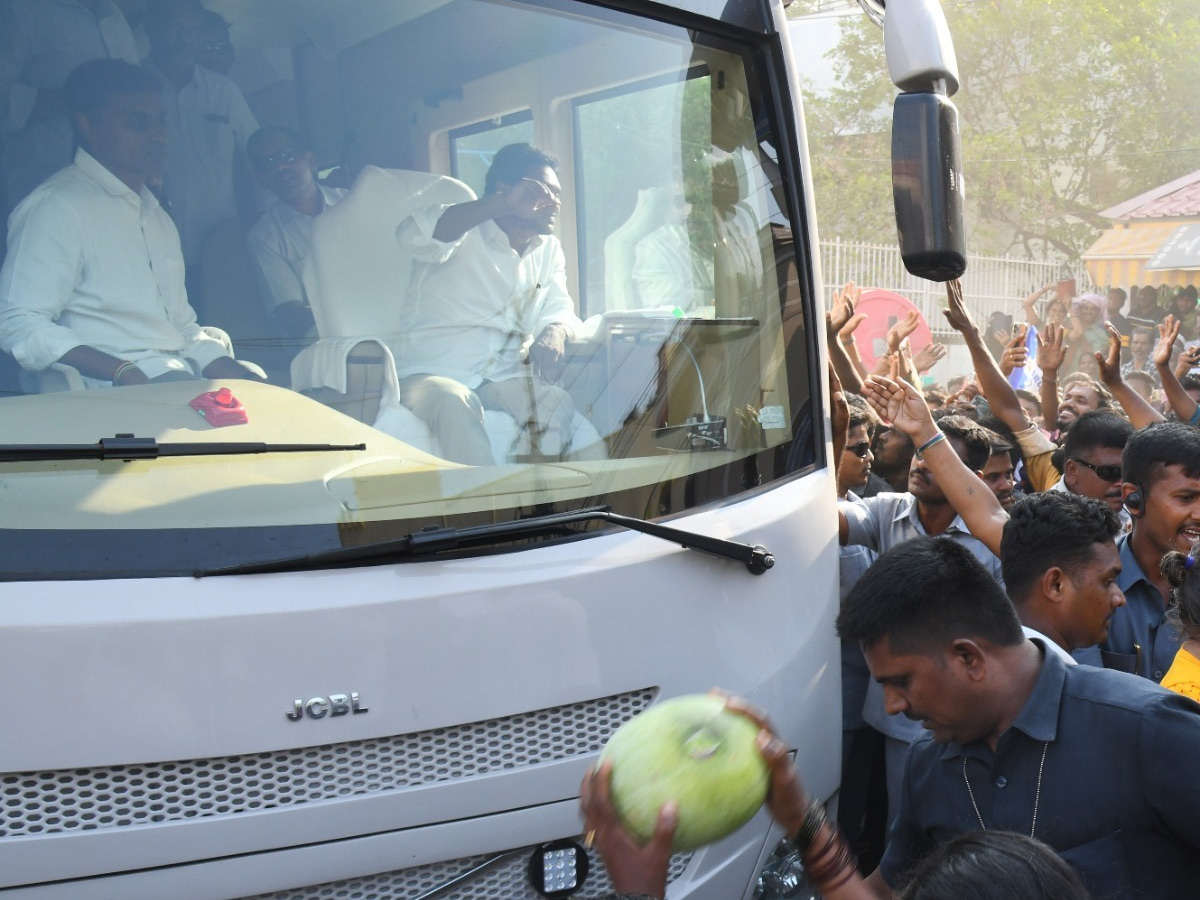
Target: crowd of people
1019,624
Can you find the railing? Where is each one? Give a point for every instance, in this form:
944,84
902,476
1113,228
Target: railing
991,283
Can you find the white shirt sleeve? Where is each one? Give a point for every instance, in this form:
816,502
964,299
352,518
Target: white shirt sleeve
556,307
415,235
38,281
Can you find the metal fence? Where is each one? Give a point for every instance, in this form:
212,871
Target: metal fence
991,283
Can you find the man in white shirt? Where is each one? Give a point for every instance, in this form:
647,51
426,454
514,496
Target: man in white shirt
282,239
208,121
41,43
489,279
94,275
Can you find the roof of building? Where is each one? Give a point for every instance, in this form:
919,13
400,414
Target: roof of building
1175,199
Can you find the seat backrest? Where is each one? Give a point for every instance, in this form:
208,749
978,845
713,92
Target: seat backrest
356,275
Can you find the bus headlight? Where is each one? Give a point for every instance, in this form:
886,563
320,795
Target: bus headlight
558,869
783,876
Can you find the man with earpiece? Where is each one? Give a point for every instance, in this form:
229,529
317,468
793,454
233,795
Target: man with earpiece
1160,468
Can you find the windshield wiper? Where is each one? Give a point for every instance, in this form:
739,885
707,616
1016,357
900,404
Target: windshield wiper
437,539
127,447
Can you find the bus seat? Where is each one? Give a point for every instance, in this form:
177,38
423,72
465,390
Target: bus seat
620,292
356,275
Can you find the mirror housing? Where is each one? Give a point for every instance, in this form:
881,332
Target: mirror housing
927,186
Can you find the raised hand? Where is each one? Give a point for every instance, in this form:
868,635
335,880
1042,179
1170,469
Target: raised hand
956,309
528,197
927,357
841,312
1188,360
1016,352
902,329
1051,350
901,404
1110,363
1168,331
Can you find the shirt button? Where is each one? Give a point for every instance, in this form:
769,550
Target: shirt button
1001,782
1158,674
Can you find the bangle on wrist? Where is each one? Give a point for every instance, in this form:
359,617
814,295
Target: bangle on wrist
814,818
120,370
936,439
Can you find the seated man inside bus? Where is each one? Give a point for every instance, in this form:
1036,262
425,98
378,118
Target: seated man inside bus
490,279
94,274
282,239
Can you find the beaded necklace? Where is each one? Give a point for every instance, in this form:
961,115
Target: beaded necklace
1037,795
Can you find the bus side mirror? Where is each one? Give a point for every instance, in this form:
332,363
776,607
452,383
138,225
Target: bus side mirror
927,186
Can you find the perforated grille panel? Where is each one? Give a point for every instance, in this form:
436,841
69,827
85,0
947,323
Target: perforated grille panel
508,879
121,796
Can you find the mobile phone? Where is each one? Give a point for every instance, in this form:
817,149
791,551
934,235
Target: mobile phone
1004,321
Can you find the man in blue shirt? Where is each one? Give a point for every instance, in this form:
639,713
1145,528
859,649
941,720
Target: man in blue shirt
1094,763
1161,472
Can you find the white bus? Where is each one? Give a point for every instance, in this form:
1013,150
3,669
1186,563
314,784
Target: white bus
308,656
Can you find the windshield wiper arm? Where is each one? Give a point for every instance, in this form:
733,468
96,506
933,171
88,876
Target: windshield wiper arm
127,447
437,539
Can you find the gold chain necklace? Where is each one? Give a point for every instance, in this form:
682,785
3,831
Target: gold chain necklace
1037,794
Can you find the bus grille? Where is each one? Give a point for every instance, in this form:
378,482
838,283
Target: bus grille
507,879
72,800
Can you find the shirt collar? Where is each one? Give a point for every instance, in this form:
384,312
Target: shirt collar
494,234
1131,572
907,509
96,171
1038,718
288,213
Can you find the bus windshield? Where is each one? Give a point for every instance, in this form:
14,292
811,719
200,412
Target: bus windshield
438,263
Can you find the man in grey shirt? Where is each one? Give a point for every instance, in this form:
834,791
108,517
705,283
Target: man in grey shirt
886,520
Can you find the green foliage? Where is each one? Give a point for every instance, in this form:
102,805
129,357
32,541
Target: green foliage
1065,108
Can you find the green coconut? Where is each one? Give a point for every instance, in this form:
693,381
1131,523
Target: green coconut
696,752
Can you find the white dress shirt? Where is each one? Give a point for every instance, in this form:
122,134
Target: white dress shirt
41,43
281,240
208,123
91,263
474,303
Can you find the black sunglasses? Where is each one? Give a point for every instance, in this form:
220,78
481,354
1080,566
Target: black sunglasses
861,449
286,155
1104,473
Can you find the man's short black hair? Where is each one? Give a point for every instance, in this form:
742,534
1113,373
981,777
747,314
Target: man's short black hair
1002,438
861,414
513,162
973,436
92,84
159,13
1157,446
1052,529
272,131
925,593
1096,429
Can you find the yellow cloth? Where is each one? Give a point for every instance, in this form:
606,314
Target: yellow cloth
1184,675
1037,449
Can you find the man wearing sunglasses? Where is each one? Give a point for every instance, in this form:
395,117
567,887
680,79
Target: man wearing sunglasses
1092,460
282,239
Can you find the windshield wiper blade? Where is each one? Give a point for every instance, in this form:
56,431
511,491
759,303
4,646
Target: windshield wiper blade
127,447
437,539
